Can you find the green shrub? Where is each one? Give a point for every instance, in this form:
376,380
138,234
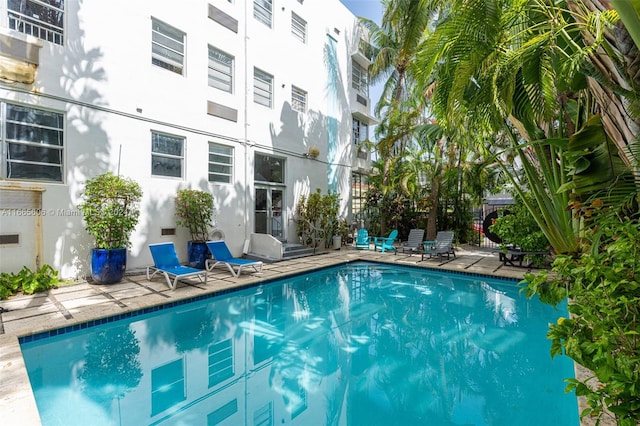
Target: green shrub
111,209
603,332
516,226
194,211
28,281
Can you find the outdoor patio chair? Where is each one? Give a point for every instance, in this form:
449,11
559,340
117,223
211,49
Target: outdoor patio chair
166,263
385,243
413,243
442,245
362,239
222,256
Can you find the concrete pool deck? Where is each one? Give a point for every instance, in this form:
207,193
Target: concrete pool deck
24,315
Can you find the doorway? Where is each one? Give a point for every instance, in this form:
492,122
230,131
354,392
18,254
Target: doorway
268,211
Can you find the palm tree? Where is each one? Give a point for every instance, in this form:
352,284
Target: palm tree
394,43
496,65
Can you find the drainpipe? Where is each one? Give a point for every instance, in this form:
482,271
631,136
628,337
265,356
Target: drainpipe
245,141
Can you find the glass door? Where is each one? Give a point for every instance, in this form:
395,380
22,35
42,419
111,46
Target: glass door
268,211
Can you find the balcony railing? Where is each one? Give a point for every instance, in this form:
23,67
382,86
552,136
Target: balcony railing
31,26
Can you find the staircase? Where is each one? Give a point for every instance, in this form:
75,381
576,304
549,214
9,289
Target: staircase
269,249
293,250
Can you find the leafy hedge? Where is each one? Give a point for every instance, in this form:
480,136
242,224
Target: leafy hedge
603,330
28,281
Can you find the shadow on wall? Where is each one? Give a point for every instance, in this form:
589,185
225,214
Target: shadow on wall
89,156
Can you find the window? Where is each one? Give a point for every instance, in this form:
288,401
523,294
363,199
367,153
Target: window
359,78
262,10
298,27
263,416
167,386
262,88
268,169
220,163
360,131
298,99
43,19
167,47
220,70
221,414
359,189
33,142
167,155
220,362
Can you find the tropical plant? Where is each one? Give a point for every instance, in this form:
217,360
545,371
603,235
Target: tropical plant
318,217
28,281
111,209
393,46
516,226
601,334
194,211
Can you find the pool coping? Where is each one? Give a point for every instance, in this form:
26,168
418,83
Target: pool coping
108,303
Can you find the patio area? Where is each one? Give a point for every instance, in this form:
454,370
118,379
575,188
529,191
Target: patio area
82,302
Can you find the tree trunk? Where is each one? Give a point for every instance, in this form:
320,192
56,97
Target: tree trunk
434,196
619,122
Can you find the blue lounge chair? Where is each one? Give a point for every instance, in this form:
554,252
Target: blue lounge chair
167,264
385,243
362,239
222,255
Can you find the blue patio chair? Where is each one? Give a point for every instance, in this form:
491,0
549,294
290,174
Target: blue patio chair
166,263
222,256
385,243
362,239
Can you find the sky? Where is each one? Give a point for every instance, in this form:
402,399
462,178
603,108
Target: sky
371,9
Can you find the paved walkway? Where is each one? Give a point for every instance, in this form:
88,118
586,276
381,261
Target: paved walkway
75,304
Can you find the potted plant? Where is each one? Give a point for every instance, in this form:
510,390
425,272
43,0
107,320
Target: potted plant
194,210
111,211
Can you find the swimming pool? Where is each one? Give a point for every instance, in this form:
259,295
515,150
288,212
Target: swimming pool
358,344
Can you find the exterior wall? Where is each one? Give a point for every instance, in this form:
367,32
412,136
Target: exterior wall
113,97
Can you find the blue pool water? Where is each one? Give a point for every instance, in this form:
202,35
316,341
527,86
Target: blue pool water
359,344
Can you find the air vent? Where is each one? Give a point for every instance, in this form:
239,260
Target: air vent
167,231
222,111
223,19
361,99
7,239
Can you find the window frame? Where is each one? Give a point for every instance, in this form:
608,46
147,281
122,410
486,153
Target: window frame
299,27
265,161
229,154
359,78
221,69
299,99
57,149
257,90
262,13
164,31
357,128
180,157
39,28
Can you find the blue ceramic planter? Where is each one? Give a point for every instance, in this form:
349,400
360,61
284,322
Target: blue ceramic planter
197,253
108,265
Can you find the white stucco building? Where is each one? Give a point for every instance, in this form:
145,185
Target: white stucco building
226,96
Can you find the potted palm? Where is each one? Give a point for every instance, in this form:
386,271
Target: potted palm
111,211
194,210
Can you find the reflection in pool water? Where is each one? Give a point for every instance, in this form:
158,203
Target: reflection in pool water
360,344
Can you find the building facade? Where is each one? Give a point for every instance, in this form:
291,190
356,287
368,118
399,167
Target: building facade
259,102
